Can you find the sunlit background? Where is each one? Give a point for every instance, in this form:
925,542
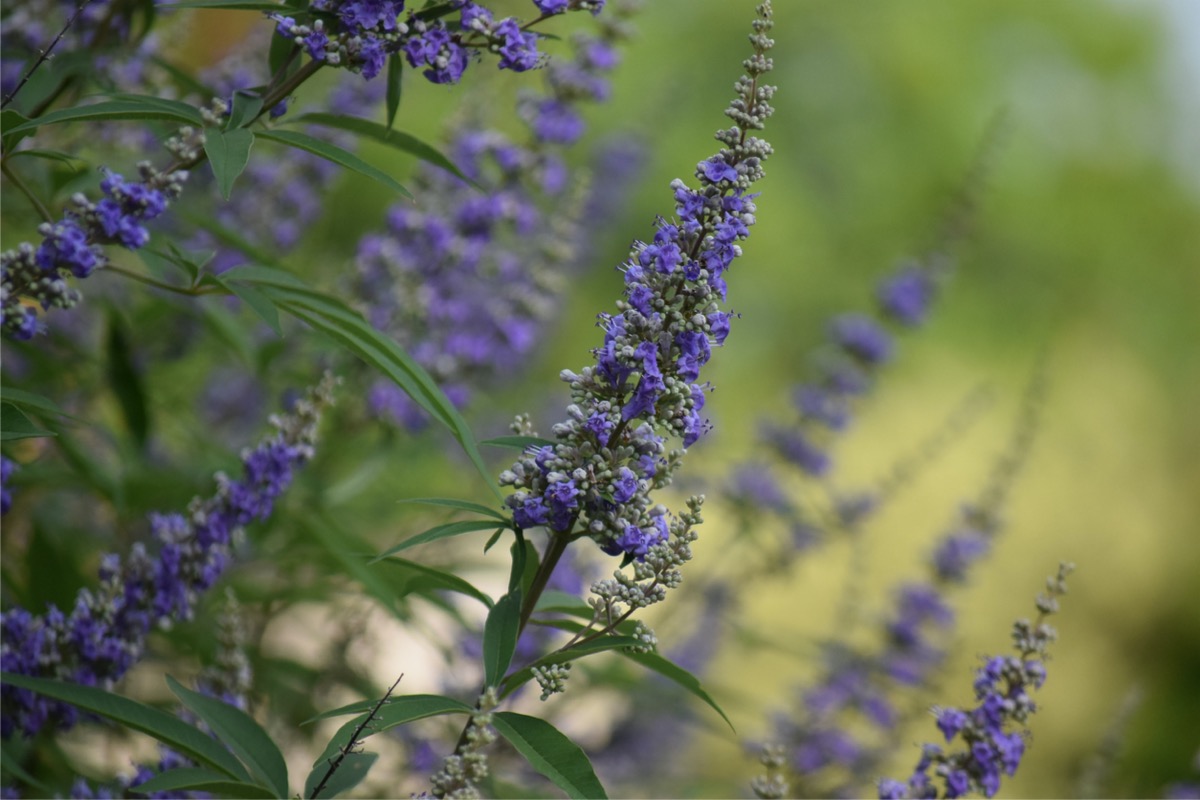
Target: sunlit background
1084,257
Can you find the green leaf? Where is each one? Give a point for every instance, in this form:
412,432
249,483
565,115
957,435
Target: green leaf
126,382
331,152
551,753
413,577
283,55
20,397
195,779
246,108
384,135
225,236
10,119
463,505
395,68
11,763
259,303
519,442
50,155
438,532
344,547
110,110
553,600
226,5
500,634
348,327
524,564
573,653
350,773
397,711
226,328
229,153
240,733
166,728
680,676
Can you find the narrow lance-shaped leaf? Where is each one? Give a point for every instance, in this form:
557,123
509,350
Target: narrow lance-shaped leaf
350,773
397,711
395,69
238,730
551,753
193,779
166,728
335,154
111,110
464,505
679,675
438,532
500,634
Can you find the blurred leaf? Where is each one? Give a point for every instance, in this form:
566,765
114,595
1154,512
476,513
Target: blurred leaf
413,577
438,532
10,119
350,773
679,675
238,730
20,397
464,505
226,5
49,155
126,382
345,548
18,426
335,154
228,153
551,753
383,134
500,636
195,779
259,303
397,711
226,328
166,728
395,69
553,600
10,763
519,442
129,107
283,53
226,237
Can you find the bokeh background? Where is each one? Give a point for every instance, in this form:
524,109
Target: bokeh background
1084,257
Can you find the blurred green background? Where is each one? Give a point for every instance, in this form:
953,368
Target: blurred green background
1086,249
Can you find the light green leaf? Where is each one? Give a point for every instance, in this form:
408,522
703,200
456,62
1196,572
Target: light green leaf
408,577
350,773
110,110
200,780
438,532
464,505
239,731
331,152
229,153
500,634
166,728
680,676
384,134
551,753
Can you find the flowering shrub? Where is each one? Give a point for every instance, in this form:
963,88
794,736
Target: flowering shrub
381,220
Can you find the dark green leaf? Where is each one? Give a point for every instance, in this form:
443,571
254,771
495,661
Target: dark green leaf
331,152
49,155
519,442
495,537
226,328
166,728
21,397
283,55
524,565
229,153
227,5
174,781
109,110
407,577
395,68
126,382
350,773
11,763
246,108
562,602
10,119
384,135
500,636
464,505
238,730
551,753
254,273
679,675
397,711
610,642
438,532
225,236
184,78
259,303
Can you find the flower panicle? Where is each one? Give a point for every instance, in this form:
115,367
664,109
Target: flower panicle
992,735
104,634
644,386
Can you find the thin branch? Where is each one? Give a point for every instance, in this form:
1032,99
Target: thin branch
45,53
354,741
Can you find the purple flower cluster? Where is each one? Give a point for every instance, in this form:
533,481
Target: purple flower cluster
644,387
72,246
991,747
7,468
466,280
105,633
368,31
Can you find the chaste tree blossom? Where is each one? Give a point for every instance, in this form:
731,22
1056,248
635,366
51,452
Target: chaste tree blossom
104,634
991,743
645,385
